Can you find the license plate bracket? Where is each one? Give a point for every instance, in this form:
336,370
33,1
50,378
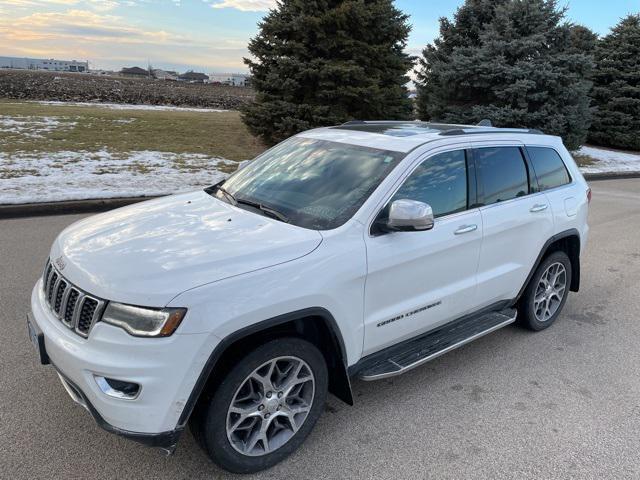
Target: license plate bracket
37,339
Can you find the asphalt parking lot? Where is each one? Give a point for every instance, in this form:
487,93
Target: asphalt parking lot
563,403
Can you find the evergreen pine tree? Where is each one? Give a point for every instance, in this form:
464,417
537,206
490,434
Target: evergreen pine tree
464,31
515,62
325,62
583,40
616,90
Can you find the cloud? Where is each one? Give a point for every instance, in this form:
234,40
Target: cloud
112,41
43,3
246,5
103,5
80,25
33,3
97,5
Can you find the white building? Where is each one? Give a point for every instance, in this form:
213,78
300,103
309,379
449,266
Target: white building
44,64
235,79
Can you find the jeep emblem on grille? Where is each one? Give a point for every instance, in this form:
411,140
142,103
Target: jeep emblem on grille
60,263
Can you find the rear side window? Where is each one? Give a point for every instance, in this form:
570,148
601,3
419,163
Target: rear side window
549,167
502,174
440,181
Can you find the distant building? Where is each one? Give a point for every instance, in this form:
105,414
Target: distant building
164,74
102,72
50,64
193,77
135,72
235,79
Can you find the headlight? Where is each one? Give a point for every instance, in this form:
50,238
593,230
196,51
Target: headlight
144,322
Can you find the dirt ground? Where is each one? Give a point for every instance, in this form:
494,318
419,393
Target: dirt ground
39,85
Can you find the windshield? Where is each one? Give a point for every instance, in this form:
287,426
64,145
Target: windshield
311,183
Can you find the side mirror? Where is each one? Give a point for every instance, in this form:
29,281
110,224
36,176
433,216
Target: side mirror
409,216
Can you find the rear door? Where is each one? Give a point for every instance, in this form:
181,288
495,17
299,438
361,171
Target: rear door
517,220
554,180
419,280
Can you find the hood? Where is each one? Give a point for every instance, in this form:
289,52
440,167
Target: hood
147,253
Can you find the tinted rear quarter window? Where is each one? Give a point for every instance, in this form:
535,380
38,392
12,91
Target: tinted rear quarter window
502,173
549,167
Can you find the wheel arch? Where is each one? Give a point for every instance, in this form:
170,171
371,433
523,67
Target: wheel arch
316,325
567,241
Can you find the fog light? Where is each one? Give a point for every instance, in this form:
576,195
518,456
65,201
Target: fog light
117,388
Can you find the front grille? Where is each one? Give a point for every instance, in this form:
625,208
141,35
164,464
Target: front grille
62,287
74,307
86,315
71,305
52,285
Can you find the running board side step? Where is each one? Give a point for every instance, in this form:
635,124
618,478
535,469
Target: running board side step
415,352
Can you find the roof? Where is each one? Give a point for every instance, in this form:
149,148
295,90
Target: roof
193,76
134,71
402,136
397,129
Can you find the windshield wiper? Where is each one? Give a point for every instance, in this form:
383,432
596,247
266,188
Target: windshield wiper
230,196
271,212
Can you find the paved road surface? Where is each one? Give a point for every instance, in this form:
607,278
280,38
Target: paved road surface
563,403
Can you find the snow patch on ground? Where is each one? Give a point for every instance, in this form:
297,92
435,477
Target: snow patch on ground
609,161
130,106
76,175
33,127
27,177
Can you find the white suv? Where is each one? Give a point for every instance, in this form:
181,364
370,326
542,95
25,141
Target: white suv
364,250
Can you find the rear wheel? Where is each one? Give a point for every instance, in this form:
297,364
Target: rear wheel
546,293
266,406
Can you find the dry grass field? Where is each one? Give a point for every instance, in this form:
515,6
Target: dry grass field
35,127
53,151
67,151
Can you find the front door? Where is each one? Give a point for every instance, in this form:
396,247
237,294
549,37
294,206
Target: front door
419,280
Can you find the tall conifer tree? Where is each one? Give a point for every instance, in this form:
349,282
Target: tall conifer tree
616,90
325,62
512,61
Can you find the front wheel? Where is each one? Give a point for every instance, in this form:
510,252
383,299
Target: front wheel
266,406
546,293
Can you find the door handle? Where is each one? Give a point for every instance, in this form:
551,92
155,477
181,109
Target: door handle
538,207
466,229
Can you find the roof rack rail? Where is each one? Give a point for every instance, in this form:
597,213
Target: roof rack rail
354,122
462,131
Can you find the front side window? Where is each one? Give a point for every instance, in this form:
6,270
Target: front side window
312,183
440,181
502,173
549,167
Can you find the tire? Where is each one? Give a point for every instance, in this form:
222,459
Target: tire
290,360
540,306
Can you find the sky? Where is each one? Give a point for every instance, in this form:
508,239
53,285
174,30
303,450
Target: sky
203,35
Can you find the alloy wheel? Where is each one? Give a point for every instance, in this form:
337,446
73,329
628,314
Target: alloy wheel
270,406
550,292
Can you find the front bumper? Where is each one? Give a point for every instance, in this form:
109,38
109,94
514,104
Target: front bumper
165,440
166,368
